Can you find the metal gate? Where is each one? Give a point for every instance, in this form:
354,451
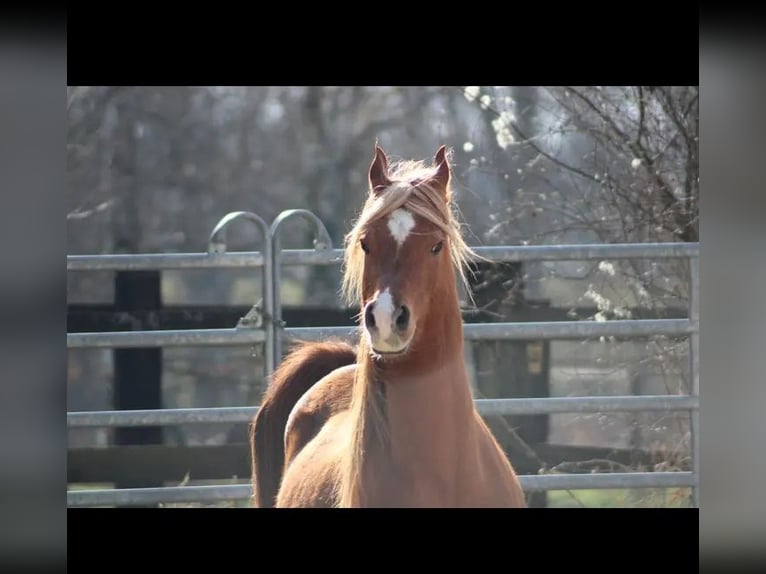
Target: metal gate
272,333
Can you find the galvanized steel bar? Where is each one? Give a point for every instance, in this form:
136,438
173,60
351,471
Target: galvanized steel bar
158,261
217,245
169,338
594,251
226,492
162,261
535,330
552,405
350,334
157,417
578,329
486,407
607,480
472,332
505,253
311,257
151,496
694,359
322,242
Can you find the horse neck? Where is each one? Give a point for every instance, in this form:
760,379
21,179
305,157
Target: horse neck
428,404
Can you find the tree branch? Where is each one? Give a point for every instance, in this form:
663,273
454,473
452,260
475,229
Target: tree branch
528,141
666,195
641,112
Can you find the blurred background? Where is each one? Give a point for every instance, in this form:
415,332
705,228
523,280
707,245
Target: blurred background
152,169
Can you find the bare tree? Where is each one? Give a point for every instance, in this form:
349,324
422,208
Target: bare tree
604,165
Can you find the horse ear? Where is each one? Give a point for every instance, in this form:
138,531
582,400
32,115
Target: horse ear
379,179
441,161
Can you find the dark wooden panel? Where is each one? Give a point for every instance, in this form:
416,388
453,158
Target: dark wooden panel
156,463
85,318
137,372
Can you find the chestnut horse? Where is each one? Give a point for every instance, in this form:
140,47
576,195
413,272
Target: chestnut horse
392,423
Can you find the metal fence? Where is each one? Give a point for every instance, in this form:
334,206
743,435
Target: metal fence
271,332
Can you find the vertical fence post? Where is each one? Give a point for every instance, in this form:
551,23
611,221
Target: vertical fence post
217,244
322,241
694,315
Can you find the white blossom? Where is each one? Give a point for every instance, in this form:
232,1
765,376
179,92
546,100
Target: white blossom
471,92
468,147
502,127
485,101
602,303
635,163
606,267
622,312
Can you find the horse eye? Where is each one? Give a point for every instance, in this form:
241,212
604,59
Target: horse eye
438,247
365,248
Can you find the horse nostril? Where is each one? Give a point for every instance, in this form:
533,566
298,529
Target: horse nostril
403,318
369,318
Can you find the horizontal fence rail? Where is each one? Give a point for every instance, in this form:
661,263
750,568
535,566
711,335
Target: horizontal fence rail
230,492
516,253
532,330
163,261
486,407
272,332
171,338
505,253
471,331
585,252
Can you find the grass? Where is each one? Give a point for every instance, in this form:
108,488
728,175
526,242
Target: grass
89,486
620,498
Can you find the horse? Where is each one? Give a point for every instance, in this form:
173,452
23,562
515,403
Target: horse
390,422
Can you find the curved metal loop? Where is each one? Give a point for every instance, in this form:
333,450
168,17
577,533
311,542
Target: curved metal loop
217,245
322,238
322,241
217,241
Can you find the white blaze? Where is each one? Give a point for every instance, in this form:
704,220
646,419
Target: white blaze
383,313
400,223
